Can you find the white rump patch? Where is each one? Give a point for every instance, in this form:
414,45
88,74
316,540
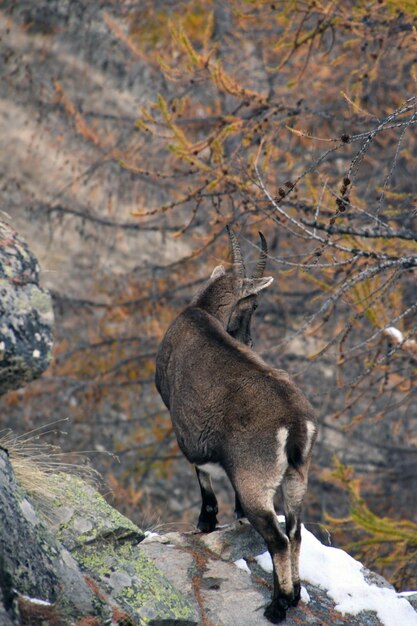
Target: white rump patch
282,435
282,461
311,429
214,469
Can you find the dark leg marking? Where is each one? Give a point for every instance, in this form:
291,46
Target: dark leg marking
239,512
207,520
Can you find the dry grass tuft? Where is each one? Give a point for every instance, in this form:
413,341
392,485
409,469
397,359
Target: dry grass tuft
37,463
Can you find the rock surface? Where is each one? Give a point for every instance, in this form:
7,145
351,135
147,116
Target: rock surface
26,314
87,565
106,546
35,569
235,594
412,599
92,563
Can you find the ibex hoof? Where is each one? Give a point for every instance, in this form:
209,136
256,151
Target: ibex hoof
276,612
207,526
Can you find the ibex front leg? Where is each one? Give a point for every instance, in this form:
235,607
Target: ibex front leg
207,520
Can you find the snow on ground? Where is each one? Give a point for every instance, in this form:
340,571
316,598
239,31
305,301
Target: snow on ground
36,601
241,564
340,575
150,534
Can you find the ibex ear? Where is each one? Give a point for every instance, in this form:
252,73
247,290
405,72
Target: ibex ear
218,271
252,286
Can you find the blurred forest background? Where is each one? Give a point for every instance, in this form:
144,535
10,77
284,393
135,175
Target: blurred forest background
131,134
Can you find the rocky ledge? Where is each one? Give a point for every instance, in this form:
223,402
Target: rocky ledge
71,559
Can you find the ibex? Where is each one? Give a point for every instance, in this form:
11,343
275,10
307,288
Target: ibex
233,412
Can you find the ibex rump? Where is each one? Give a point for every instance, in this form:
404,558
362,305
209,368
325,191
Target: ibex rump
231,410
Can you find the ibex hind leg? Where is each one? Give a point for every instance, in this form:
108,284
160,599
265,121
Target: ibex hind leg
294,487
207,520
257,503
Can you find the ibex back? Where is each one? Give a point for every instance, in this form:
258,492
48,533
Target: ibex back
230,410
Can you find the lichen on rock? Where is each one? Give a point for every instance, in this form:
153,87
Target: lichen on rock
83,516
105,545
34,566
135,583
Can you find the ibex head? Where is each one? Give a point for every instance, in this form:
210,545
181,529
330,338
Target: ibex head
231,295
240,319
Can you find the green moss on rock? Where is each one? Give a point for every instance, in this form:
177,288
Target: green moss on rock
106,546
137,585
42,302
84,516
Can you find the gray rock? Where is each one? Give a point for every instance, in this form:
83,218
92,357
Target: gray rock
95,570
230,597
26,314
222,593
82,516
204,567
175,564
412,599
35,569
237,541
178,579
105,544
375,579
132,582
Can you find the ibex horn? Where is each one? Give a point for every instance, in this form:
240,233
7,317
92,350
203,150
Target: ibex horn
261,264
238,264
